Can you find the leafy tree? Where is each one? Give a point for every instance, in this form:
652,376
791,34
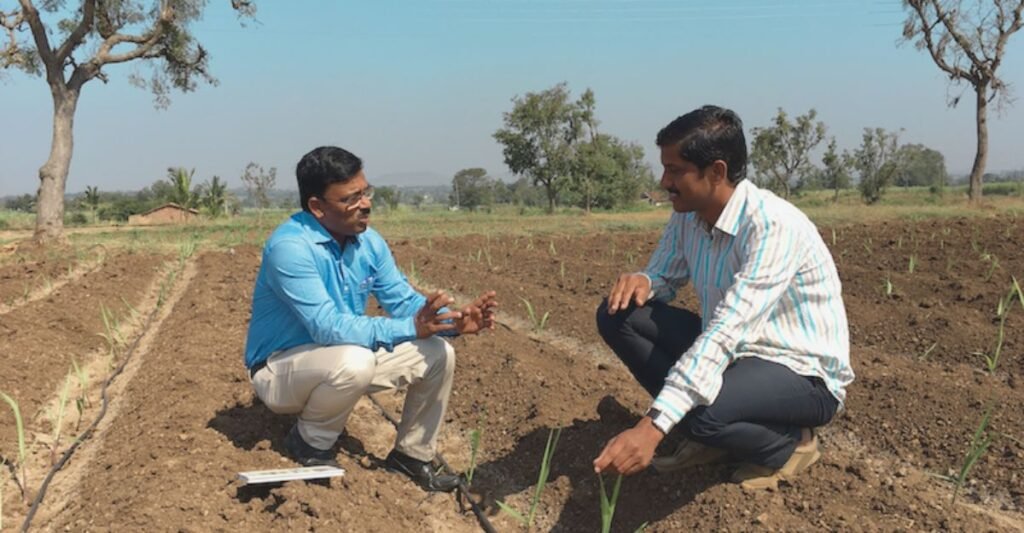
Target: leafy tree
389,196
214,197
540,136
472,188
781,153
967,40
25,203
259,183
875,161
181,187
835,173
88,36
92,199
615,173
920,166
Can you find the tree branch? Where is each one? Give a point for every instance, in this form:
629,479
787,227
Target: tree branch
53,68
933,49
961,41
80,31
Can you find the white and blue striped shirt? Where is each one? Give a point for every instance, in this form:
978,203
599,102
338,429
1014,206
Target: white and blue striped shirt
768,288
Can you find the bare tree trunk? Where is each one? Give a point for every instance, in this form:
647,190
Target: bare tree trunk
551,197
54,173
981,155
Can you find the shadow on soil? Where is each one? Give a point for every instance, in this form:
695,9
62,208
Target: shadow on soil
644,498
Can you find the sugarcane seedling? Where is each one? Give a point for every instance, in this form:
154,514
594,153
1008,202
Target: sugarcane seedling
542,479
911,264
22,455
537,323
58,419
979,445
83,386
474,449
608,503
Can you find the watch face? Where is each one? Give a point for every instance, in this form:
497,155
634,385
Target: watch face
653,413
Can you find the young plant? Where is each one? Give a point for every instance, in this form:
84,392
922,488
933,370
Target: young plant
911,264
979,445
551,248
110,326
887,287
22,455
561,271
994,264
928,351
538,323
1002,311
474,448
83,386
58,419
833,236
608,504
542,479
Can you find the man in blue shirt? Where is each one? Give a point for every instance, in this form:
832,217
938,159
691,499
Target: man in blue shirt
311,350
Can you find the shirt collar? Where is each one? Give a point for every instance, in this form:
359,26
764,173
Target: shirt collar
317,232
729,221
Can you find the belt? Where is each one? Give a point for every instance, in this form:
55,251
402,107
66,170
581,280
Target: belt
256,368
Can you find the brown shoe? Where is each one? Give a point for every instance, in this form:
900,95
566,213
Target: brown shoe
757,477
688,455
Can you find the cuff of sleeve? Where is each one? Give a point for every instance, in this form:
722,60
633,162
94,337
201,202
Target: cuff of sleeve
404,330
671,408
654,290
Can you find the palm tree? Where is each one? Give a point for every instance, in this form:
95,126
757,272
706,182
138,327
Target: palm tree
181,181
92,199
214,197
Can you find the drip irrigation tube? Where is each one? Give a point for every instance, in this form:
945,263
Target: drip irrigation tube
485,524
92,427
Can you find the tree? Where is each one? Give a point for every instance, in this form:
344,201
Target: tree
92,199
215,196
472,188
614,171
259,183
781,153
181,187
968,44
875,161
25,203
835,173
540,136
389,196
920,166
89,37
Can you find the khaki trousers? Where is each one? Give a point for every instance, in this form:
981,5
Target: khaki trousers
323,383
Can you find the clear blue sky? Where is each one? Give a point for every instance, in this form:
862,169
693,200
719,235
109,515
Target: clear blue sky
416,88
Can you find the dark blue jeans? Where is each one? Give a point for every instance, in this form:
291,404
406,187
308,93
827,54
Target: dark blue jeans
761,407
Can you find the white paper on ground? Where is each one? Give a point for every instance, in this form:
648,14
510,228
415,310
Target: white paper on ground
289,474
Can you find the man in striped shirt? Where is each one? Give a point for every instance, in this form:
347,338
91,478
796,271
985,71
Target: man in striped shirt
768,358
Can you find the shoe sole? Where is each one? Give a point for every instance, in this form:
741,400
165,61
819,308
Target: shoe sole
788,471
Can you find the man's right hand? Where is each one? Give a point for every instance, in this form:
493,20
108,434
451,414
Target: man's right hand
428,322
628,288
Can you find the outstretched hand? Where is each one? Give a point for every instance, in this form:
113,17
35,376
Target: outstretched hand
630,451
478,315
429,322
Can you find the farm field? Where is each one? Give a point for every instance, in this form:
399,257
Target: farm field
168,312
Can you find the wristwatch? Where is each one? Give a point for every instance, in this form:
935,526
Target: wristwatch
660,421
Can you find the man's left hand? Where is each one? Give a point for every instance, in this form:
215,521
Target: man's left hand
630,451
478,315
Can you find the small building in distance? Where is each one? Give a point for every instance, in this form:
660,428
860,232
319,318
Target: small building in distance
656,197
169,213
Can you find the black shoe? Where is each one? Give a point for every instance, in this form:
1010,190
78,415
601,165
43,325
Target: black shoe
421,472
306,455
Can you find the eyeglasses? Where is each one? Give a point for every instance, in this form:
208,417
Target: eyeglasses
354,199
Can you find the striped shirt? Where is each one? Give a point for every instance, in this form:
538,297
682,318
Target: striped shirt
768,288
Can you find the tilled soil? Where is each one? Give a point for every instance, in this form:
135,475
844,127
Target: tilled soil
188,421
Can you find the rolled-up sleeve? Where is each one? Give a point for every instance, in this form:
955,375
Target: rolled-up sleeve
292,275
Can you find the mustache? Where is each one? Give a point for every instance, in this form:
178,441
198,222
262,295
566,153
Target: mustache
364,211
672,190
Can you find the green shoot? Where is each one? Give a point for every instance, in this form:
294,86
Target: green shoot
833,236
561,271
131,309
1017,289
542,479
474,448
887,287
608,504
1002,311
979,445
928,351
899,243
912,263
83,386
538,323
992,267
20,429
58,422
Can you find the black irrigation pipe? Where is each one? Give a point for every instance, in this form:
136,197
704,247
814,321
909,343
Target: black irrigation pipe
92,427
485,524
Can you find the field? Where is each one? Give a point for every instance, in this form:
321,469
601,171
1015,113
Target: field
165,310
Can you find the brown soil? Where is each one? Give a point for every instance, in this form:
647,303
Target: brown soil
188,421
40,338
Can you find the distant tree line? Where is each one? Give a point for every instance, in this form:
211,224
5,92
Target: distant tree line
783,158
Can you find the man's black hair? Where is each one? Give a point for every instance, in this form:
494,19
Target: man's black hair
706,135
323,166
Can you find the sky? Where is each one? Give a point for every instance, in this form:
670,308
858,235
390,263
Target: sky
417,88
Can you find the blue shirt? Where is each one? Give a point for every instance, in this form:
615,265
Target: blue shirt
311,290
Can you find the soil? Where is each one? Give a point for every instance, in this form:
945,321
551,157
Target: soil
188,422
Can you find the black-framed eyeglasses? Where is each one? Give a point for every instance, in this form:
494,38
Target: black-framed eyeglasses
354,199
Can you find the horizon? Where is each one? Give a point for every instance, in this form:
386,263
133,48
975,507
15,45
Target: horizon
417,89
